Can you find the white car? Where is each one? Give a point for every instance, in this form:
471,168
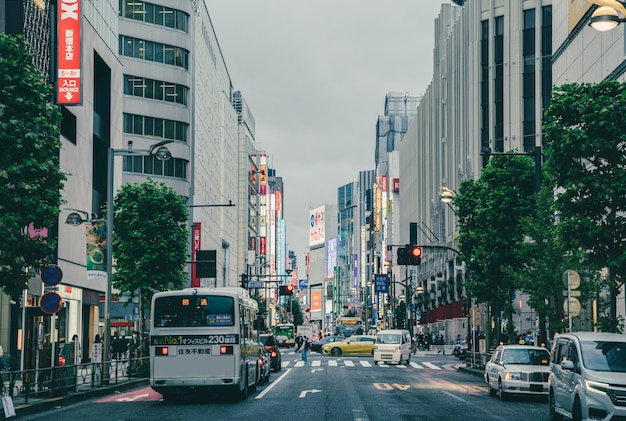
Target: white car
518,369
588,376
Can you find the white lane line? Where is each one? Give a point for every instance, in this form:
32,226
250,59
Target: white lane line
274,383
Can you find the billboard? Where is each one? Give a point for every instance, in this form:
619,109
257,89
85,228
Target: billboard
331,258
317,225
68,53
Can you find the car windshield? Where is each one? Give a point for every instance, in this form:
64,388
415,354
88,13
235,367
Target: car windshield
388,338
604,356
526,356
268,340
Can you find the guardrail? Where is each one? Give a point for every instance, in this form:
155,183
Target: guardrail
476,359
61,380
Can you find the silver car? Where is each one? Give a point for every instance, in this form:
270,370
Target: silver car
588,376
518,369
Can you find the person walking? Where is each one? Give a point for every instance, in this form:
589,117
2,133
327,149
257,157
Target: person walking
306,345
298,342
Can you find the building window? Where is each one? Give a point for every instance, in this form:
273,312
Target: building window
156,89
153,51
155,127
154,14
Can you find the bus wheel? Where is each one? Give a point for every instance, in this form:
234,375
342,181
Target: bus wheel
243,392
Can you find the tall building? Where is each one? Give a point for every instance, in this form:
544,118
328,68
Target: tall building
492,80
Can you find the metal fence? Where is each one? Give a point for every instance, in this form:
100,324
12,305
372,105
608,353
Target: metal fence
61,380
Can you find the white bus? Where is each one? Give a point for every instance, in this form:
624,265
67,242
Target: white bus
202,339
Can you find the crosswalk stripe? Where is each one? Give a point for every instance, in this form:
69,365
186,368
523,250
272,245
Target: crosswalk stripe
404,367
332,363
433,366
383,365
299,364
416,365
348,363
316,363
366,364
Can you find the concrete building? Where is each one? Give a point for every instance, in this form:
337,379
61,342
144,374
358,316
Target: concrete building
492,80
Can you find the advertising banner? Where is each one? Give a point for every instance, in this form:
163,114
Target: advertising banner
317,227
96,239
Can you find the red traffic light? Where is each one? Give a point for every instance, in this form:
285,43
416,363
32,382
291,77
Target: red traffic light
289,287
416,251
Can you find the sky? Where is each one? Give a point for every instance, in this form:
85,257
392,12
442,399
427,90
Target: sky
315,75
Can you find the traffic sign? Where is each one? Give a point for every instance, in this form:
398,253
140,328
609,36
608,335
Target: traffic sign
573,308
50,302
52,275
572,277
256,284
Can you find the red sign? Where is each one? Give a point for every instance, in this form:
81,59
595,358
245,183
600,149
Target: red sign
396,184
195,246
68,53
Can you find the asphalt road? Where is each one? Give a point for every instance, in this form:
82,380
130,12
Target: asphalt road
327,388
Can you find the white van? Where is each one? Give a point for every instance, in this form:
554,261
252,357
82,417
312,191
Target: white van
393,345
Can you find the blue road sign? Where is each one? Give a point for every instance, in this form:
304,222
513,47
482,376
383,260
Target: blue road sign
303,283
52,275
50,302
380,283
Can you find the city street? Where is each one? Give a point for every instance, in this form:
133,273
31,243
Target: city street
328,388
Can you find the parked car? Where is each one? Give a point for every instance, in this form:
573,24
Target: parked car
317,345
355,344
518,369
271,346
588,376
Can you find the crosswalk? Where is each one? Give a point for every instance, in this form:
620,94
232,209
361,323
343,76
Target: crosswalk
422,365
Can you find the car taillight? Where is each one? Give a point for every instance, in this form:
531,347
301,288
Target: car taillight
161,350
274,354
226,350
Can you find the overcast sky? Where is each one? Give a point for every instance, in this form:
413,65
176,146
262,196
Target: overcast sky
315,75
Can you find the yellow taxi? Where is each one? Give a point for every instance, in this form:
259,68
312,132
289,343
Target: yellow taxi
355,344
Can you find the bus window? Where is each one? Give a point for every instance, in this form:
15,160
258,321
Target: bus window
192,311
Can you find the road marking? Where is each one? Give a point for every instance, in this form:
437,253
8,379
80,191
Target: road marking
416,365
402,386
450,367
348,363
381,364
304,392
404,367
433,366
285,363
332,363
366,364
316,363
299,364
132,398
383,386
271,386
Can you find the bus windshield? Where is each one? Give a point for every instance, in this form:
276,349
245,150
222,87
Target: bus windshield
193,311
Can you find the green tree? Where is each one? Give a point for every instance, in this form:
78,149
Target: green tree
30,176
150,239
586,163
490,212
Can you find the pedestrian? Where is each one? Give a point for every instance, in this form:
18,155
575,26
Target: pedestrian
76,350
458,339
306,345
135,348
298,342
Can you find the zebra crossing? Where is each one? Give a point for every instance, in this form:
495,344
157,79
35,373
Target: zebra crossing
422,365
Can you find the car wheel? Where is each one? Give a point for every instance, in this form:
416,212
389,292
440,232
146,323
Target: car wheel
554,416
501,393
243,392
577,413
335,352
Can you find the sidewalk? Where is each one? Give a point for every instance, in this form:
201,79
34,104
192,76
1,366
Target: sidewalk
79,388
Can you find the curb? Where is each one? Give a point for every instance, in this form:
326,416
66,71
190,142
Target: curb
54,402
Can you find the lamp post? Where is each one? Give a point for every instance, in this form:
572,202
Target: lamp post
605,17
162,153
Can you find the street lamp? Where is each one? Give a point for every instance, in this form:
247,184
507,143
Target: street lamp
446,195
161,153
605,17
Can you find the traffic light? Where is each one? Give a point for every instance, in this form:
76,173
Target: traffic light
409,255
285,290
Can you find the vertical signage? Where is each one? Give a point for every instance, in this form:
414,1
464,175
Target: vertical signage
68,53
195,246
